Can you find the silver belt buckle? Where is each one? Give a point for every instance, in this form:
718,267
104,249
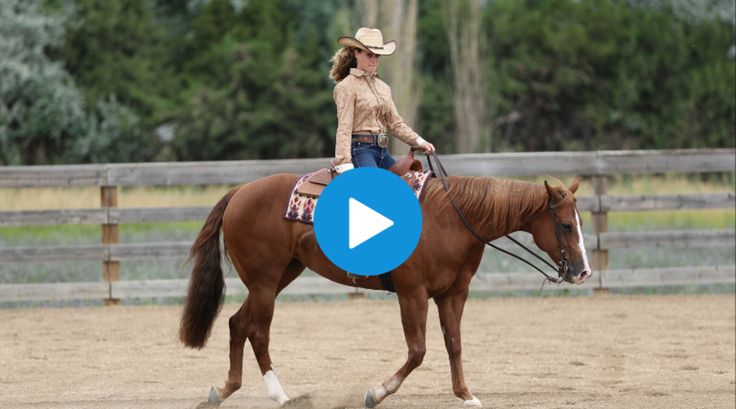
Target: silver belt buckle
382,141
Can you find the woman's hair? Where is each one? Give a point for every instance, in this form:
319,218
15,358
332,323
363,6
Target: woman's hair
342,62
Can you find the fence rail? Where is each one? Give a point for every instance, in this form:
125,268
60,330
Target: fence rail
594,166
173,214
596,163
312,285
180,249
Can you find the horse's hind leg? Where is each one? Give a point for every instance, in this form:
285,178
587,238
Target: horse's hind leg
259,329
237,341
253,321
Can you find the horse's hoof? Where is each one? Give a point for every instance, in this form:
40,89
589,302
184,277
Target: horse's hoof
473,403
369,399
300,402
214,397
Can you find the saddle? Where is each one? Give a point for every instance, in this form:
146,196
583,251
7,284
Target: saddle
308,188
317,181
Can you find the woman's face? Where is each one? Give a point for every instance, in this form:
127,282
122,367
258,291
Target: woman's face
367,61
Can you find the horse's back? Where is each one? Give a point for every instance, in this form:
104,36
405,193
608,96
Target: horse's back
258,206
272,184
262,195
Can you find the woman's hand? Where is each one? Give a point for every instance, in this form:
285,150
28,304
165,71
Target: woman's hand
425,146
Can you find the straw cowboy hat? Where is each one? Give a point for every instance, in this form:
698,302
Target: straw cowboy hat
369,39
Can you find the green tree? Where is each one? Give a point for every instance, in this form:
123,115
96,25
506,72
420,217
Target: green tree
605,74
118,54
256,90
436,111
41,110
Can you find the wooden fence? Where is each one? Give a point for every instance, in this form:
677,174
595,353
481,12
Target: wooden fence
593,166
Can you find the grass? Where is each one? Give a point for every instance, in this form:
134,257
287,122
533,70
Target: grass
183,196
86,198
80,198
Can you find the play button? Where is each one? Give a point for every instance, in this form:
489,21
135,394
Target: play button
367,221
364,223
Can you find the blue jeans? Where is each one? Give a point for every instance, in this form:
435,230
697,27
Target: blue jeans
370,155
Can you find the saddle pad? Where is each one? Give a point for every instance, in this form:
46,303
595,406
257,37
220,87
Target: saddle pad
300,207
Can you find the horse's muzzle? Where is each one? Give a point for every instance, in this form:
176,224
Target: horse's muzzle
581,277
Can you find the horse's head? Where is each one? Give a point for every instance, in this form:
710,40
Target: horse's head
559,232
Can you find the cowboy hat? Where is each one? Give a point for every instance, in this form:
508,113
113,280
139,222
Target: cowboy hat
369,39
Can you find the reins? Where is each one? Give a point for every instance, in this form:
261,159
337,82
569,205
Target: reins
442,173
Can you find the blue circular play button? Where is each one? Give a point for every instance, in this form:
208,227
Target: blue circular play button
367,221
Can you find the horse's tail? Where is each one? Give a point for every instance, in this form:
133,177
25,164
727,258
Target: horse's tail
207,285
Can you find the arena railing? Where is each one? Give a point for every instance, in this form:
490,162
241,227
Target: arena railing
595,167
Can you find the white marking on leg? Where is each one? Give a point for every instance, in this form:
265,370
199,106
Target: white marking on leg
214,397
393,384
388,388
380,393
581,244
275,391
473,403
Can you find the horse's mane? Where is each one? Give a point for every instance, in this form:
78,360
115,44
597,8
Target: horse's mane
502,203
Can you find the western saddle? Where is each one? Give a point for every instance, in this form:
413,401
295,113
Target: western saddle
315,183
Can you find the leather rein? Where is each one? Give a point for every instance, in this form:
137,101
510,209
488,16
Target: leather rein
563,266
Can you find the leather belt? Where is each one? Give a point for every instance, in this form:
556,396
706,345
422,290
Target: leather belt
379,139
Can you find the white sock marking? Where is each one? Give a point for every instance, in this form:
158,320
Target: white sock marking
275,391
388,388
473,403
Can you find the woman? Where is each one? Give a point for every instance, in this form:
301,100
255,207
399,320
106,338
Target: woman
365,107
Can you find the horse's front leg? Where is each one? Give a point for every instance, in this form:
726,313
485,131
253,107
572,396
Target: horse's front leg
450,307
414,320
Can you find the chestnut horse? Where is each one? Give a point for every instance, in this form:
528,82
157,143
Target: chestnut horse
269,252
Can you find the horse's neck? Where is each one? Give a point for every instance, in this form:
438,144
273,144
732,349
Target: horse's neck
497,207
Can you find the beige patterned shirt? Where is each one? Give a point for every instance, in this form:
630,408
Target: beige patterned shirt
365,105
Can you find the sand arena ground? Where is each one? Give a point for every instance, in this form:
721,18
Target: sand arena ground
603,351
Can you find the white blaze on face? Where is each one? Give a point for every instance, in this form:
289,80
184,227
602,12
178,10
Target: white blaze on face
581,244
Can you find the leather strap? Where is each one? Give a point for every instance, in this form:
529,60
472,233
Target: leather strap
368,138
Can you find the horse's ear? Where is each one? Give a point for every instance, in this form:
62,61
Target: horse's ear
574,186
553,194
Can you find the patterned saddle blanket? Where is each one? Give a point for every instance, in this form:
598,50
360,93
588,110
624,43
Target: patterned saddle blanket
302,202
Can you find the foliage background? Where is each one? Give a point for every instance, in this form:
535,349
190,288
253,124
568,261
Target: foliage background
121,80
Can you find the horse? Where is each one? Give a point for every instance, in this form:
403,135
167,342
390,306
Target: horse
269,252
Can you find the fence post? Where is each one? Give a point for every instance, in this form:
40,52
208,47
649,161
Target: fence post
110,235
600,225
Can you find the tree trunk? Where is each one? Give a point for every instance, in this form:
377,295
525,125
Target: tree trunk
462,22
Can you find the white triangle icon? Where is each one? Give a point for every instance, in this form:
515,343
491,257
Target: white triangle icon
364,223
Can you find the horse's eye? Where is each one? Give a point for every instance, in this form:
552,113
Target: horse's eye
567,227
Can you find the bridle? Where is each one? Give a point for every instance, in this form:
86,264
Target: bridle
563,267
564,263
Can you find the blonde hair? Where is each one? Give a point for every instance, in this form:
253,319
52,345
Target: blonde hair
342,62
